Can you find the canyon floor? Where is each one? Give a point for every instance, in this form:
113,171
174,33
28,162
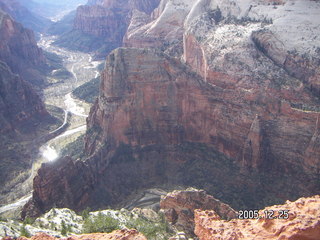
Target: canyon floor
72,112
216,95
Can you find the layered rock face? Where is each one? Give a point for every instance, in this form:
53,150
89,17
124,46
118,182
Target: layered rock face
108,21
179,206
101,22
156,122
73,182
251,51
163,29
21,115
115,235
176,23
19,104
21,14
302,223
19,50
236,120
304,67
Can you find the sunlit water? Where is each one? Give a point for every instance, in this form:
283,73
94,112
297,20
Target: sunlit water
48,151
72,106
50,154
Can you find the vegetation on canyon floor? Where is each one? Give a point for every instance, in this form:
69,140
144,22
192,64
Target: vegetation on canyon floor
88,91
64,222
75,148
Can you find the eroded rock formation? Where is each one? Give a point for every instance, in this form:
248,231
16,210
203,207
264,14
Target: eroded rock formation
24,121
21,112
305,67
105,22
19,50
179,206
302,223
21,14
115,235
163,30
101,21
19,104
232,120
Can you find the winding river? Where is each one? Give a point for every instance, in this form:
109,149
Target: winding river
59,94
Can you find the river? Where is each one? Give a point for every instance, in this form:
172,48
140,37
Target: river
83,68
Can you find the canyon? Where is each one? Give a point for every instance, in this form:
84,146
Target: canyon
100,26
193,214
19,50
234,111
301,223
17,10
215,94
34,81
23,114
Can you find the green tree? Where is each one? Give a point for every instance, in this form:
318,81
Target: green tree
64,229
152,230
28,220
24,231
85,213
100,223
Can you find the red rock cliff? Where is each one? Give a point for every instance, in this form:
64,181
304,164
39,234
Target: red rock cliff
157,122
302,222
31,20
108,20
19,104
18,48
179,206
22,117
115,235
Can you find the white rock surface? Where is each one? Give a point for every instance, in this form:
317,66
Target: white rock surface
120,215
295,23
51,222
13,229
53,219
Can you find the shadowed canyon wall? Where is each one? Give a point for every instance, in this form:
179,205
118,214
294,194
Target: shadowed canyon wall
18,48
100,26
156,122
233,110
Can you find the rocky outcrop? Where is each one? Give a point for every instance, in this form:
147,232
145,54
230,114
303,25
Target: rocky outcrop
221,50
231,121
100,21
253,149
164,30
301,67
19,50
218,43
115,235
67,177
156,122
293,220
57,222
23,118
19,104
312,153
17,10
105,23
179,206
